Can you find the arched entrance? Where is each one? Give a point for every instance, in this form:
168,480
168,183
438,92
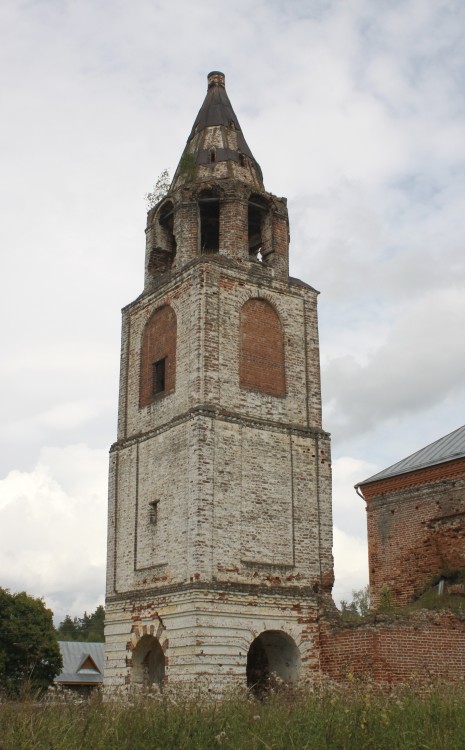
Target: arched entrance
148,663
273,654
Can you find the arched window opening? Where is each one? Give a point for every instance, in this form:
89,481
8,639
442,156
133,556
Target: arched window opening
166,221
209,208
162,256
273,658
259,234
261,365
158,356
242,160
212,155
148,663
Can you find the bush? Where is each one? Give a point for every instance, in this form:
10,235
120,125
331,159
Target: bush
29,653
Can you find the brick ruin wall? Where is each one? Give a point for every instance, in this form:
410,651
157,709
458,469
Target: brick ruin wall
416,529
416,533
422,647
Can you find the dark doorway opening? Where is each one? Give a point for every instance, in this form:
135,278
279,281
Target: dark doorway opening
273,659
148,663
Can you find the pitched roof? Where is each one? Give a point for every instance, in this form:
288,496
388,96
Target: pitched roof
78,662
447,448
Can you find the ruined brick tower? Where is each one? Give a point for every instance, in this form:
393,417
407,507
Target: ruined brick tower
220,529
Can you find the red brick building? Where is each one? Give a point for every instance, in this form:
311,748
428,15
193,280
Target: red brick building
416,519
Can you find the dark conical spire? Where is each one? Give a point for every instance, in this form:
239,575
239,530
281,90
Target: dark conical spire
216,147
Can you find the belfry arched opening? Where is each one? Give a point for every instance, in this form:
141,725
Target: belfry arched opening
273,658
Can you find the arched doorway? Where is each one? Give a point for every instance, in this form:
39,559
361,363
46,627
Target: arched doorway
148,663
273,654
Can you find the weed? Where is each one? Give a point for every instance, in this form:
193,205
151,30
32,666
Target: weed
356,715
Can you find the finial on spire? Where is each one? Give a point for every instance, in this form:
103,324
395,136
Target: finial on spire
216,78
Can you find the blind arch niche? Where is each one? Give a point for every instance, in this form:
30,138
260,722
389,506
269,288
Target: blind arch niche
158,351
261,358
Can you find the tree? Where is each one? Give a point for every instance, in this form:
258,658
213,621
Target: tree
86,628
68,629
359,606
159,190
29,653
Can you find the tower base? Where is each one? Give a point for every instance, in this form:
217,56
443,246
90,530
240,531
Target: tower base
216,637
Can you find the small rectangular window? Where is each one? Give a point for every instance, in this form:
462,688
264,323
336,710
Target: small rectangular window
158,376
153,512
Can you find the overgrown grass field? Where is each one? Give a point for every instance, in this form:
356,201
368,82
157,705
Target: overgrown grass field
354,717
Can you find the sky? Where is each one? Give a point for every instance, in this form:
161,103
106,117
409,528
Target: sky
355,111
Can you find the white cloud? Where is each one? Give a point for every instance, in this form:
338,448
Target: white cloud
355,111
348,508
350,565
52,529
349,516
59,417
418,365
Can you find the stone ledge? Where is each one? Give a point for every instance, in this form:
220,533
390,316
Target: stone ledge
248,589
214,412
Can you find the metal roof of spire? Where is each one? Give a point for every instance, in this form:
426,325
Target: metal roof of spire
217,112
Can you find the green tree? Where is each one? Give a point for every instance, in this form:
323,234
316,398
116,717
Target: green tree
29,653
159,190
68,630
86,628
95,625
359,606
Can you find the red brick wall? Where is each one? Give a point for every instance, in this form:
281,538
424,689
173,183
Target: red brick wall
426,646
416,528
158,342
447,470
261,366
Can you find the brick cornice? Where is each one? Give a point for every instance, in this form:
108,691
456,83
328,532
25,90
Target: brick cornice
254,272
214,412
437,473
249,589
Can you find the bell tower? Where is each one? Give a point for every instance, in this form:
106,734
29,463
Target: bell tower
220,528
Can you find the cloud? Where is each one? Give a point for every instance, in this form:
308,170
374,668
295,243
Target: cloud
355,111
350,548
348,508
350,565
52,529
418,365
65,416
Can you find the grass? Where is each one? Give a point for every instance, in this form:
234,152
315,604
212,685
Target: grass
355,716
430,600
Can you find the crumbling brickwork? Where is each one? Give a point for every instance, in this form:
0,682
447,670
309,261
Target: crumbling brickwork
220,523
220,528
416,528
423,647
